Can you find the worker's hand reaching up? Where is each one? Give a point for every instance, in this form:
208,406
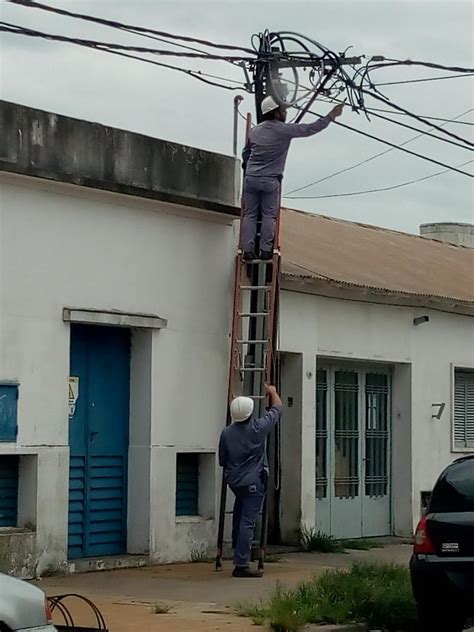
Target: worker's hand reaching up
336,111
272,393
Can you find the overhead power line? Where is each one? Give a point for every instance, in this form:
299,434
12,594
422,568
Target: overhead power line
426,64
21,30
399,147
428,118
415,116
396,83
196,74
400,124
121,25
363,162
389,188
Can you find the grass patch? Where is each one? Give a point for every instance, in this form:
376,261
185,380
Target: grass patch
378,595
256,612
273,558
317,541
313,541
200,555
361,545
161,608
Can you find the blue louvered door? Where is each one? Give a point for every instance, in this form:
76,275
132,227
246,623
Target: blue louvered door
98,437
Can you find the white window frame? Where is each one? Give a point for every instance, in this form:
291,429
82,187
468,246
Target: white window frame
454,368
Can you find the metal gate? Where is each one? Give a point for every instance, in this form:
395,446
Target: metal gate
353,413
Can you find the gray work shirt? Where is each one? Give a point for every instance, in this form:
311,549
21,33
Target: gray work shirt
242,448
268,143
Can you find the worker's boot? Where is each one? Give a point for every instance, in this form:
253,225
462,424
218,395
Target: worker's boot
266,255
248,256
244,571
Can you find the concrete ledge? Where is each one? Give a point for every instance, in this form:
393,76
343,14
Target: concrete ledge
115,318
60,148
96,564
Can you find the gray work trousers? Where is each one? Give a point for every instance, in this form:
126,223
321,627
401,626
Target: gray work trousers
260,195
248,503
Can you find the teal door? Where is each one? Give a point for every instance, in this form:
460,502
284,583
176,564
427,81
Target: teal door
98,440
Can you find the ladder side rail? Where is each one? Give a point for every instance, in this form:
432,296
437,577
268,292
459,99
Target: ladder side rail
234,350
270,372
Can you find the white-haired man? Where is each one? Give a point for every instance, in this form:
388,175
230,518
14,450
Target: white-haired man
242,455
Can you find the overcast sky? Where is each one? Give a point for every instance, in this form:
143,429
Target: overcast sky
96,86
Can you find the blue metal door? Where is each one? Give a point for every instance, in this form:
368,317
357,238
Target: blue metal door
98,439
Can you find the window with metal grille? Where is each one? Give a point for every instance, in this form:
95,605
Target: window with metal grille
463,409
377,391
8,491
8,412
321,434
187,484
346,434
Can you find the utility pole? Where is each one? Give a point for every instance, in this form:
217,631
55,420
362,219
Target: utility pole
259,336
266,75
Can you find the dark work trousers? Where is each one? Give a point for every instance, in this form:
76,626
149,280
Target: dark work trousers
260,196
248,503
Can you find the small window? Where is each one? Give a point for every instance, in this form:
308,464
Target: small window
8,412
8,491
463,409
187,484
454,491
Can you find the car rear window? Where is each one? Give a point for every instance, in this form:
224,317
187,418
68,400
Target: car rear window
454,491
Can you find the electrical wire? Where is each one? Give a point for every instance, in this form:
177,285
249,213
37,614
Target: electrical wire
15,28
120,25
428,118
196,74
415,116
426,64
389,188
363,162
400,124
399,147
364,75
397,83
326,99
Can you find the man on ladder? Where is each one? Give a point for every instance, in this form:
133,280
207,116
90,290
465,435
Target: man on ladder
242,454
263,161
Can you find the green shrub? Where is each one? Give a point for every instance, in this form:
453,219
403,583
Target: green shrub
313,540
378,595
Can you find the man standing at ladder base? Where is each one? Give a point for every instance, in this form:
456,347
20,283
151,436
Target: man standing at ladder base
242,455
264,158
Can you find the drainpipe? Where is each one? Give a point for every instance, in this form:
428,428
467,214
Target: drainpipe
237,101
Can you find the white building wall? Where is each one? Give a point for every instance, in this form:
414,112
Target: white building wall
423,357
66,246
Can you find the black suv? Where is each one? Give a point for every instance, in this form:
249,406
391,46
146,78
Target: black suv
442,565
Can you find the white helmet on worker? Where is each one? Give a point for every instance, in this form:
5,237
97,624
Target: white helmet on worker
241,408
268,105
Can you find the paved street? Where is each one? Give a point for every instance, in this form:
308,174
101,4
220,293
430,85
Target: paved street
199,599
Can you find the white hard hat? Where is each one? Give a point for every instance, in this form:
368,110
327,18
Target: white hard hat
268,105
241,408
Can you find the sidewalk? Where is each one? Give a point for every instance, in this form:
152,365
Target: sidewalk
199,598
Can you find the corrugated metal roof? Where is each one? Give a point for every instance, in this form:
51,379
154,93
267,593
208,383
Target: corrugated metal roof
319,248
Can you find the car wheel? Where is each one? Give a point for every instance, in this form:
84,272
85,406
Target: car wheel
434,621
